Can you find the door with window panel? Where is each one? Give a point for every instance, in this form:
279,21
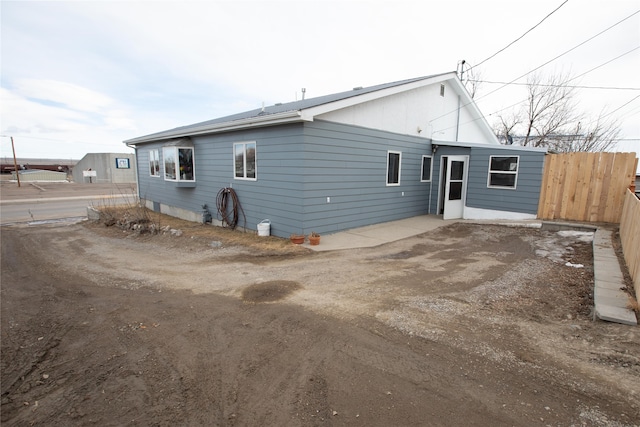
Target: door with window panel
455,187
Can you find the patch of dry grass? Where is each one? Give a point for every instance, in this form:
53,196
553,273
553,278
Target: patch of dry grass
115,215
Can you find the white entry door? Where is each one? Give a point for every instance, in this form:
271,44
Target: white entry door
455,187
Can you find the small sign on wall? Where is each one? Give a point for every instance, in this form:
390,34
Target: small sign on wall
89,174
122,164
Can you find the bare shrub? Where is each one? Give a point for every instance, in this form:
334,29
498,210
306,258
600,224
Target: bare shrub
130,215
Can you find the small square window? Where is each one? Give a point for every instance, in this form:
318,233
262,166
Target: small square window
503,171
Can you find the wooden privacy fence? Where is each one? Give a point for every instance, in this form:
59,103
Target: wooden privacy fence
586,186
630,238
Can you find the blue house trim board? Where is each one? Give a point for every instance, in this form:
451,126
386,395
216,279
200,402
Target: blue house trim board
322,164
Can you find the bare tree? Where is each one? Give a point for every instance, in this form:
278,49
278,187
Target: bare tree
472,80
599,135
550,108
550,118
504,130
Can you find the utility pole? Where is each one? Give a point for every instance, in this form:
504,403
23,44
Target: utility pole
15,162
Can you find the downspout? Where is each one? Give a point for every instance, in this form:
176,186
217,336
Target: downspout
434,148
135,154
458,119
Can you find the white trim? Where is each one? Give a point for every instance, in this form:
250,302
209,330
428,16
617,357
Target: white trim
465,180
430,168
516,173
251,122
244,161
308,114
157,159
394,184
177,164
490,146
478,213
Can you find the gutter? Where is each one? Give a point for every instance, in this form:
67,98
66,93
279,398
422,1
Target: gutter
493,146
251,122
458,118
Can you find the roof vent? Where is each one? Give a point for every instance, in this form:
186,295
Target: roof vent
357,88
278,103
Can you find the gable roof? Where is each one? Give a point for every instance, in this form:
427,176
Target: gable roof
306,109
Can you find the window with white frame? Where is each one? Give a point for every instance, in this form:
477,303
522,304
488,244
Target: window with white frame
503,171
154,163
425,175
394,159
178,163
244,157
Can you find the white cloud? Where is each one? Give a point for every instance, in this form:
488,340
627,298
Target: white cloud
19,114
110,71
65,94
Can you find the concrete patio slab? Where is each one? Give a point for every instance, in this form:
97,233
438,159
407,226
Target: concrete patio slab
378,234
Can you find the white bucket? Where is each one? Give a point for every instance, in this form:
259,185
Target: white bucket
264,227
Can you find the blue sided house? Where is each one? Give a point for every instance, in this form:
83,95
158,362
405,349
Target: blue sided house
365,156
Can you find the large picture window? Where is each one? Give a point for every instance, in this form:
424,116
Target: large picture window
425,175
154,163
503,172
393,167
244,154
178,163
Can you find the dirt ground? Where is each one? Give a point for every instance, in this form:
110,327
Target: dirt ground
465,325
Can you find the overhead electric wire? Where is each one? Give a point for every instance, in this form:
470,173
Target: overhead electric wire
537,68
573,78
620,107
547,85
519,38
562,54
602,65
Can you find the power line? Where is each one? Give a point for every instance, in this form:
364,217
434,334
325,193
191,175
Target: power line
547,85
564,53
620,107
540,66
521,101
516,40
67,141
602,65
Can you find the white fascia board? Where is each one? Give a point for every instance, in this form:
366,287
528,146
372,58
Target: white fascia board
481,145
474,110
310,113
251,122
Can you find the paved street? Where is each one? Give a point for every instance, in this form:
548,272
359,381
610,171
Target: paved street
50,201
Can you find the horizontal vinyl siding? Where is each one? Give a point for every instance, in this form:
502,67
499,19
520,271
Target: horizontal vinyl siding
276,195
349,164
298,167
524,199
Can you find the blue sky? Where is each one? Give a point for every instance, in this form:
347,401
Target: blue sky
82,76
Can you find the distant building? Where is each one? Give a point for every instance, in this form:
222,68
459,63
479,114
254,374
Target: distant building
55,165
105,168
